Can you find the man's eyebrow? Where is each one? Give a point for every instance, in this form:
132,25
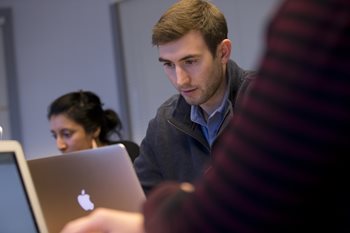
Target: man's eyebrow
160,59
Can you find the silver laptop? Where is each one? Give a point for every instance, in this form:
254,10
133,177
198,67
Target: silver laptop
72,185
19,205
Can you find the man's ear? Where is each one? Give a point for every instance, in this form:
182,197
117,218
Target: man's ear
224,52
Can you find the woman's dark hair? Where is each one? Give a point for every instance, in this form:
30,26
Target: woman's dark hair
85,108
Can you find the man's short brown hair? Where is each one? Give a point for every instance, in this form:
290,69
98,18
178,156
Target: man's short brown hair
191,15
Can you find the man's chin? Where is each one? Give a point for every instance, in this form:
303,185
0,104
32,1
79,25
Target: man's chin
191,101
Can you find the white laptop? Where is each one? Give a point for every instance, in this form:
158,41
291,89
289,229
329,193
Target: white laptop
72,185
19,206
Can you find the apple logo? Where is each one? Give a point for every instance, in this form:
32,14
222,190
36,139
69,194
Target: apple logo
84,201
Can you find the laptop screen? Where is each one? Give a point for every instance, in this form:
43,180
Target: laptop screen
16,214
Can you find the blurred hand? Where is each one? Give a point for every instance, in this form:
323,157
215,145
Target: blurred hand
106,220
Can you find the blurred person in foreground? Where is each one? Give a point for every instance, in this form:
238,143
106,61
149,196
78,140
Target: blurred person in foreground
282,164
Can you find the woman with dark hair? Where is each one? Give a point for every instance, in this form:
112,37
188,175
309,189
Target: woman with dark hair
78,121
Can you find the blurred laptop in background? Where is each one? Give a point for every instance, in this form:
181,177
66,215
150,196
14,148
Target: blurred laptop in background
19,206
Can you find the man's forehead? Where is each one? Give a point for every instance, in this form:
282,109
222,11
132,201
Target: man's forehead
189,46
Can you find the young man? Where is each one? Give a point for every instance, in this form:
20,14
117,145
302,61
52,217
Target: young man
282,164
194,50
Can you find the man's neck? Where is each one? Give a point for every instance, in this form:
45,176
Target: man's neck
214,103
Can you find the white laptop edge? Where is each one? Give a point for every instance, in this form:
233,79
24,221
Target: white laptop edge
14,146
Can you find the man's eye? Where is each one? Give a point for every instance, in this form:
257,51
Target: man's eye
190,62
168,65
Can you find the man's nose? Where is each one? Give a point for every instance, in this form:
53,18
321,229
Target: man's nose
182,77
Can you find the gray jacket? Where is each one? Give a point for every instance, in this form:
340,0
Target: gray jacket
175,148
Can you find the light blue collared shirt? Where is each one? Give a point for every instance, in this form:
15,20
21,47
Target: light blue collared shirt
211,127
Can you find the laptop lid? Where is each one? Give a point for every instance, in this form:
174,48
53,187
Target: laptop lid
19,206
73,184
